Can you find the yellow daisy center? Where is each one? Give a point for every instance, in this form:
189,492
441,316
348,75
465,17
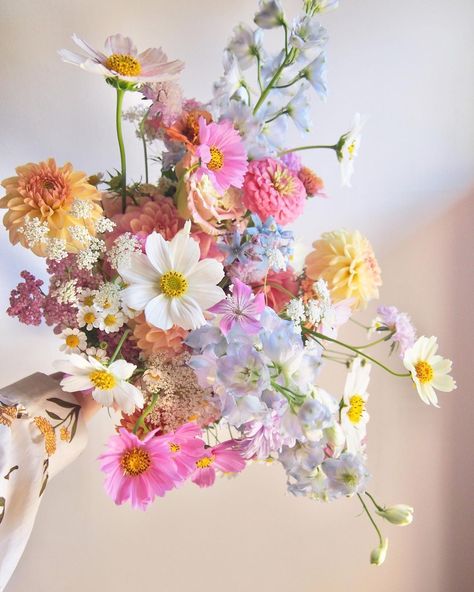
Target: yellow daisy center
351,149
123,64
205,462
424,371
174,447
102,380
89,318
88,300
356,409
72,341
110,320
173,284
135,462
283,182
217,159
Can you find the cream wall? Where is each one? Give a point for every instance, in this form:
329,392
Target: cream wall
409,65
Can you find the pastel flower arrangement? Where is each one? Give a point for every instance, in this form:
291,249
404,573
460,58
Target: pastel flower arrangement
179,302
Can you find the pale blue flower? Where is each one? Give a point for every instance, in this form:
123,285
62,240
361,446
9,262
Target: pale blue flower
243,371
270,14
316,74
299,109
347,474
246,45
307,33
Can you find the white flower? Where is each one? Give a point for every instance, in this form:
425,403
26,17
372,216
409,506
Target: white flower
270,14
87,296
88,317
296,311
66,293
314,6
399,514
98,353
104,225
429,371
307,33
314,312
299,109
122,60
123,247
316,74
74,341
110,321
378,555
348,148
246,45
80,234
56,249
81,208
35,231
109,383
107,296
87,258
170,283
354,416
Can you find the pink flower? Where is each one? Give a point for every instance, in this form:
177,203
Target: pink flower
208,246
223,457
167,104
138,470
27,300
278,288
400,323
186,447
222,154
272,189
240,308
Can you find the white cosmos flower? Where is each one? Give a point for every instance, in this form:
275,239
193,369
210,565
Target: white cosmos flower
109,383
170,283
429,371
348,148
122,60
354,416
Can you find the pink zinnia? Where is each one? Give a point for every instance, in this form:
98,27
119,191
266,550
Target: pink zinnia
223,457
240,308
138,470
186,447
272,189
222,153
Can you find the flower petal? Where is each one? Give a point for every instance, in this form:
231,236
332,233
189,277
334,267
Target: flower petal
158,253
138,296
139,271
157,312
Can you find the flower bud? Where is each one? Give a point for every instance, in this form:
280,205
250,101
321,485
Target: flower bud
335,437
378,555
400,514
270,14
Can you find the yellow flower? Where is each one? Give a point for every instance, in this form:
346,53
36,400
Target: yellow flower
48,432
347,262
65,434
45,193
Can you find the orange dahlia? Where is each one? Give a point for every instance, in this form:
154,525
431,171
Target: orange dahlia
152,340
46,192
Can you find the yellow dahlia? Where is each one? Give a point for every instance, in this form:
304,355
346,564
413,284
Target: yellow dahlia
347,262
48,195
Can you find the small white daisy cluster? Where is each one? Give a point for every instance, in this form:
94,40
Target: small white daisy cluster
101,309
123,247
314,310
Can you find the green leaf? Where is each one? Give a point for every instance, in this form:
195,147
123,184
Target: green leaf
53,415
62,403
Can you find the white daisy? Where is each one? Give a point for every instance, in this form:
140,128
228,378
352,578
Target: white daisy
88,317
428,370
73,341
111,320
122,60
87,297
354,416
170,283
108,383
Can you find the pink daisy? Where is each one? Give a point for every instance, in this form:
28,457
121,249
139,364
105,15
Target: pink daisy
138,470
272,189
186,447
222,457
222,153
240,308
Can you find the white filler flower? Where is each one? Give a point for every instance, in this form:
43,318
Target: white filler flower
109,383
170,283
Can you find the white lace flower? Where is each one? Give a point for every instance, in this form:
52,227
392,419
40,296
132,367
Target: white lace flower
429,371
170,283
81,209
66,292
108,383
34,231
104,225
56,249
296,311
124,245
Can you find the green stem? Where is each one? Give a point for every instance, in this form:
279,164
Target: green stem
307,148
277,115
119,346
273,81
371,519
317,335
379,508
123,162
146,412
386,338
360,324
145,148
259,73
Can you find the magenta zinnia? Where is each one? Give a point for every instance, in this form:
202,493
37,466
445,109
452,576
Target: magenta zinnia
222,154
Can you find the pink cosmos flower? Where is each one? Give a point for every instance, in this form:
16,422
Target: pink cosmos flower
223,457
272,189
138,470
240,308
222,153
186,447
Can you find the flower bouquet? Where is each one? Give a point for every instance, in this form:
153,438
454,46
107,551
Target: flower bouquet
182,301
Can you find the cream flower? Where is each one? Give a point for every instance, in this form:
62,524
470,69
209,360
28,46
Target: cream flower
74,341
429,371
108,383
354,416
111,320
347,262
122,60
348,148
170,283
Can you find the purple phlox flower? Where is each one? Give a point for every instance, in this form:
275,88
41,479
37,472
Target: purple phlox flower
240,308
394,320
292,161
